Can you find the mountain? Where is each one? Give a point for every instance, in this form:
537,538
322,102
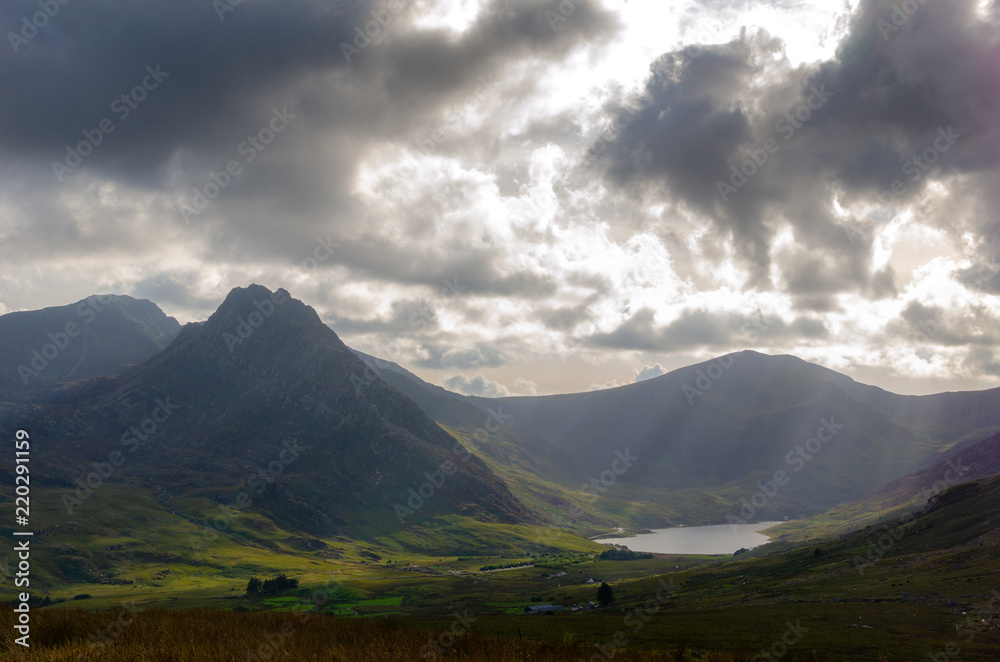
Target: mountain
264,400
440,404
907,494
96,336
712,435
536,471
460,411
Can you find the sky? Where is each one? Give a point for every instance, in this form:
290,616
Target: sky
522,196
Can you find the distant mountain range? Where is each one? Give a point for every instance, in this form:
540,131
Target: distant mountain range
911,493
263,389
96,336
263,399
709,435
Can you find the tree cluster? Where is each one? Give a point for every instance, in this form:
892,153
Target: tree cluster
270,586
618,553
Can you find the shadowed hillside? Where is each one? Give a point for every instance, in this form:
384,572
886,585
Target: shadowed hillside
96,336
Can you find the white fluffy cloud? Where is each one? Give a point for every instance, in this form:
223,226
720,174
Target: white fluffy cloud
479,194
479,385
649,372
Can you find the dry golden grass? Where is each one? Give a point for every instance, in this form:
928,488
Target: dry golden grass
205,635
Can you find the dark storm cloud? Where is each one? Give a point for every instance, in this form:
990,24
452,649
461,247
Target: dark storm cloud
477,271
984,275
688,124
639,332
982,361
216,75
210,84
564,319
805,327
814,278
927,90
405,317
974,326
701,329
444,356
172,292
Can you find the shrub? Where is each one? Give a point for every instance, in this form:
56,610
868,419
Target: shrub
270,586
605,595
620,553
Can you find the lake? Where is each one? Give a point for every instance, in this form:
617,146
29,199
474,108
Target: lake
715,539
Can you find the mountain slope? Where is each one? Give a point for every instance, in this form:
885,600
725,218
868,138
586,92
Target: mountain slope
537,472
726,427
96,336
907,494
259,400
459,411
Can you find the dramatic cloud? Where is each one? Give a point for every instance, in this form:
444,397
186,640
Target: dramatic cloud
477,385
483,387
540,195
649,372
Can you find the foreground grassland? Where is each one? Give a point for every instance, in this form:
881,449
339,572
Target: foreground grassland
898,632
915,589
212,636
904,607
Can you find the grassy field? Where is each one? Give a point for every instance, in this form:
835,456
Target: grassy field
882,632
902,592
903,607
211,636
